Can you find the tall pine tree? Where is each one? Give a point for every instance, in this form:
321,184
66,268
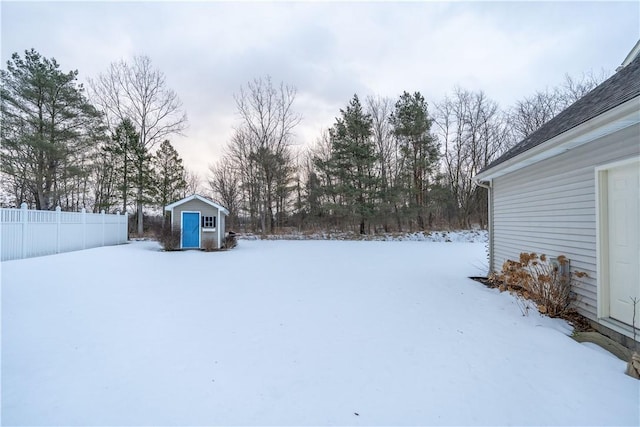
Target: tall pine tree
353,163
48,129
169,182
143,178
123,150
412,126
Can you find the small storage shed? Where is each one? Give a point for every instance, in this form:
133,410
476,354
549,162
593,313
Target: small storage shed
573,188
199,219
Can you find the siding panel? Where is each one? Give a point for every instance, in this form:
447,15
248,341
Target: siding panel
550,207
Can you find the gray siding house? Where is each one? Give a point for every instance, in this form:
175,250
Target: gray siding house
198,219
573,188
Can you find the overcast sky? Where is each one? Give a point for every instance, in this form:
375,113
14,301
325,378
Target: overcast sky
327,50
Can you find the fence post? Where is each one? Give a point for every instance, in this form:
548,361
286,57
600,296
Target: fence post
84,228
23,219
58,220
118,227
126,227
103,218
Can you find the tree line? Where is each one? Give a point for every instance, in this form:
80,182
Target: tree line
107,148
383,165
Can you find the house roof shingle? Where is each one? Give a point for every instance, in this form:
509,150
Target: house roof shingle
618,89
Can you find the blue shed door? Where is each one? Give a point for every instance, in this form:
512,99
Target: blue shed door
190,230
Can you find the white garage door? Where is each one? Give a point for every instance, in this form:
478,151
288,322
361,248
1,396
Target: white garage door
624,241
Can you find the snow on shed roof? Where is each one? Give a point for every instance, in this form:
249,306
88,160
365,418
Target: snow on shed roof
196,197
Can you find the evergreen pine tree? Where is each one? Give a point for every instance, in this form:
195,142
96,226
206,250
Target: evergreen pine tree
123,151
169,175
412,126
143,177
352,162
48,129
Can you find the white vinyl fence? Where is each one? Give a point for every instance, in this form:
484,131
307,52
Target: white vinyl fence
28,233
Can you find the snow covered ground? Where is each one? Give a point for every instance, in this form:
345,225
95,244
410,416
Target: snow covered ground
291,333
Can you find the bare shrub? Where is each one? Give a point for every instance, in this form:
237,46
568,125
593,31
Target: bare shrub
209,244
538,279
524,304
169,239
230,241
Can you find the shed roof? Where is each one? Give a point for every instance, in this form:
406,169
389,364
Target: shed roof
616,90
196,197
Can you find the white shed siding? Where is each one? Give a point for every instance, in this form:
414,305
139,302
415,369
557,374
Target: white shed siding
550,207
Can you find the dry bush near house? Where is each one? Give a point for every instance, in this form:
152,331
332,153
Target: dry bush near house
209,244
230,241
169,239
633,366
538,279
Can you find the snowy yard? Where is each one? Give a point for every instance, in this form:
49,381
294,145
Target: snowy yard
291,332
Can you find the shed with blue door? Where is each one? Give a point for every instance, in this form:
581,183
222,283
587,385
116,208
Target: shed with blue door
200,221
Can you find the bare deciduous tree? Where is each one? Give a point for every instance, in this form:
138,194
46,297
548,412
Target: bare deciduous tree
473,132
574,88
380,110
534,111
193,183
137,91
260,148
224,182
527,115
